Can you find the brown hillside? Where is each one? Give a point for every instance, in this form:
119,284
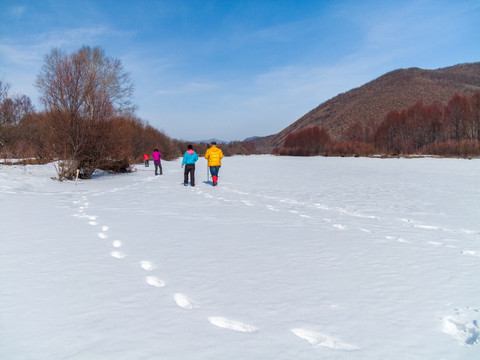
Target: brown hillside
398,89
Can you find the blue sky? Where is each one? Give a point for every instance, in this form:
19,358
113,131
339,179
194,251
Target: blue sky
233,69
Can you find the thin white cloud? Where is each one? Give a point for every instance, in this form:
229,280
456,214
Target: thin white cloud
17,11
32,49
312,85
18,55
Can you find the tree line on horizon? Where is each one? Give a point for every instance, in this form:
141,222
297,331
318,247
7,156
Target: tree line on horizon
452,129
88,120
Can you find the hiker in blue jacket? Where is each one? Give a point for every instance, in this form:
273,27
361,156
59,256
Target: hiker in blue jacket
189,159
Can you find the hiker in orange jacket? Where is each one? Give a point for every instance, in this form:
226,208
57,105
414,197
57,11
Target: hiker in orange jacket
214,155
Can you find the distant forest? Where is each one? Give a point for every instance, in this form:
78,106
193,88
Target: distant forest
451,129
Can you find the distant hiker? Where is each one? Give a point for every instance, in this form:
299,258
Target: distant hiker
145,158
189,159
156,160
214,156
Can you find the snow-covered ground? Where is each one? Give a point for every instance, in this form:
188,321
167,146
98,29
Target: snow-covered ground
288,258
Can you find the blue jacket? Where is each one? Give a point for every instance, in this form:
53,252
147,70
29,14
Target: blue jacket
190,157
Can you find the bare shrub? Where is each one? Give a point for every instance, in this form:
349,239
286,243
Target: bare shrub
463,148
352,148
82,92
306,142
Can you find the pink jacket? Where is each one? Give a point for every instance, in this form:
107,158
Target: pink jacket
156,156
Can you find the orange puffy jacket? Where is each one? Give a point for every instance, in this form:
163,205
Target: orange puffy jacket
214,156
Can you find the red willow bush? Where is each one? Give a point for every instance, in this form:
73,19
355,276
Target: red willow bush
306,142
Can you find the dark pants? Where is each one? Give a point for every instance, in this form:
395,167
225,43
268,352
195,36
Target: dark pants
158,166
146,163
214,170
189,169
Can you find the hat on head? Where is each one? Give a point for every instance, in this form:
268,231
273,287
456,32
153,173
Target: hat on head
190,147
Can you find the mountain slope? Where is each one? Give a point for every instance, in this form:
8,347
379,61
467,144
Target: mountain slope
398,89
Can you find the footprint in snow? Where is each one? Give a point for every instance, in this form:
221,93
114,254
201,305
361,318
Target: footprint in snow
102,235
316,338
147,265
471,252
272,208
396,239
184,302
225,323
117,244
93,223
118,254
464,325
154,281
339,226
428,227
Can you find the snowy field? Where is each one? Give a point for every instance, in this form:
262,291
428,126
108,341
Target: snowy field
287,258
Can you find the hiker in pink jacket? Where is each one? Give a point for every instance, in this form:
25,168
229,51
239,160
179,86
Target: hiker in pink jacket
156,160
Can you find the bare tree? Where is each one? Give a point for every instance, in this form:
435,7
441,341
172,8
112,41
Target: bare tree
4,87
3,96
456,116
12,110
81,93
475,103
